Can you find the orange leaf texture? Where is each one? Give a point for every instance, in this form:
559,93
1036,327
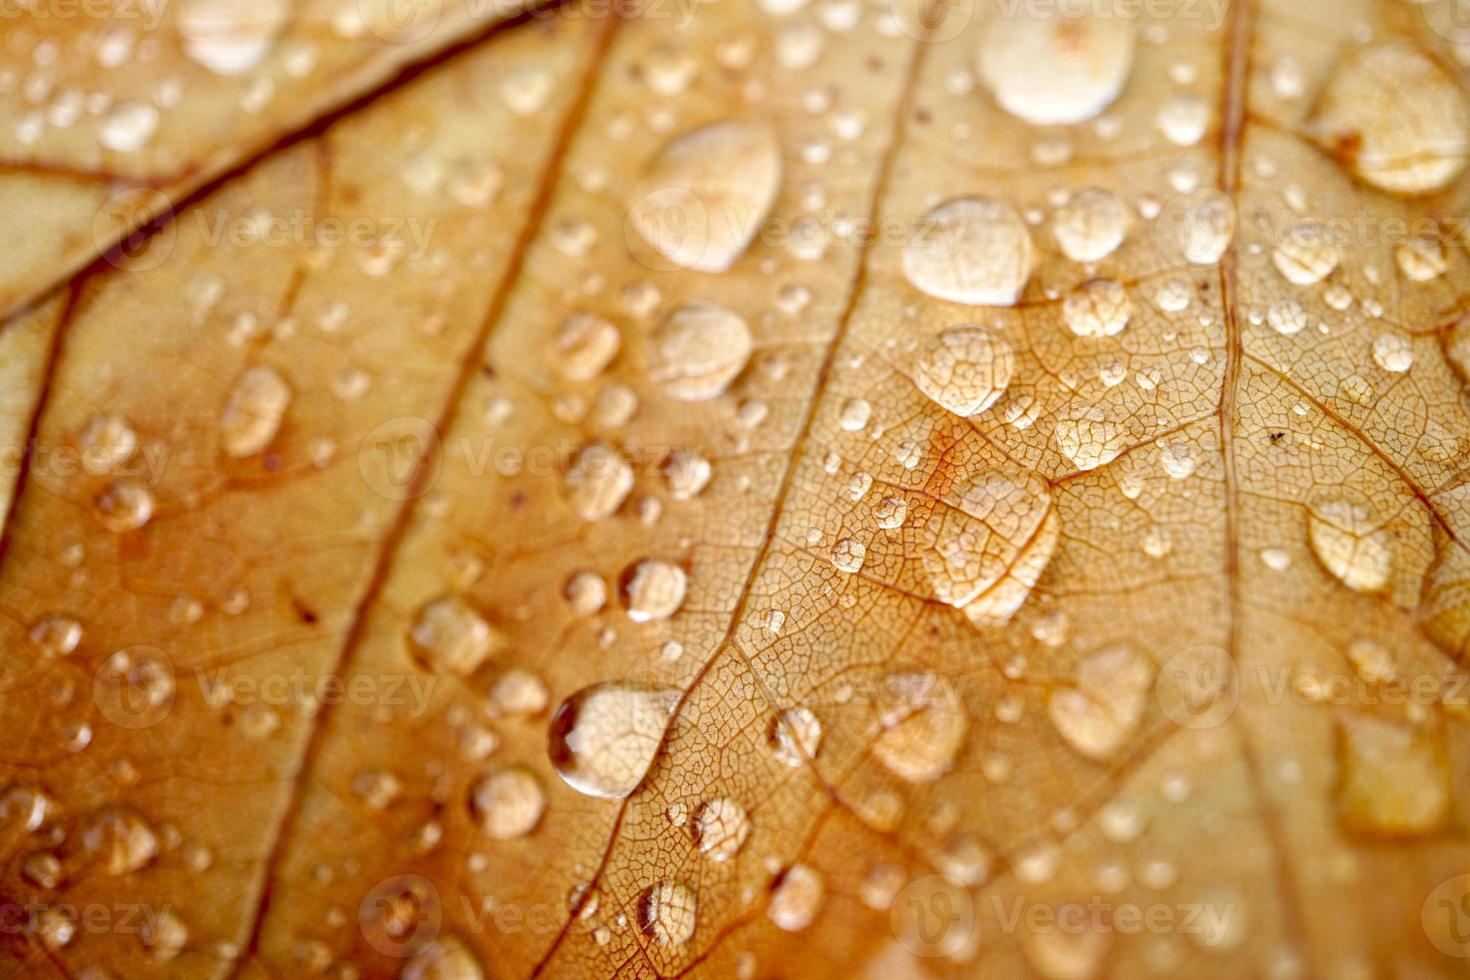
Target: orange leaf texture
734,488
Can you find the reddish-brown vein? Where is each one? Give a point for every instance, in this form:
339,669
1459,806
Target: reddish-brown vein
382,564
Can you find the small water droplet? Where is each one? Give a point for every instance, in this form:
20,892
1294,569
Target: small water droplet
1351,544
450,637
1102,711
720,828
794,736
228,37
1091,225
653,589
1097,308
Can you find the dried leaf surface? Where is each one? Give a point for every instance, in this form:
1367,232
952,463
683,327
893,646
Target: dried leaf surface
840,492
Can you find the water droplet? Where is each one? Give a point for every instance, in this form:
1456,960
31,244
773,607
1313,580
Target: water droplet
508,803
797,898
107,442
1287,317
653,589
705,195
687,473
228,37
56,636
698,350
891,512
667,913
1307,255
446,958
965,370
920,726
526,90
1091,225
1422,258
1204,222
848,555
1066,954
128,126
794,736
585,345
163,935
450,637
1101,712
1089,439
972,250
253,415
1052,68
1396,118
720,828
1351,544
120,839
854,414
598,482
124,506
603,739
586,593
1394,352
1183,119
1394,780
1097,308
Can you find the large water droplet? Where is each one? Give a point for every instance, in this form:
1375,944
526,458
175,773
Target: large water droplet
797,898
229,37
1397,119
603,738
720,827
253,415
1097,308
1351,545
1091,225
653,589
990,547
508,803
705,195
972,250
1100,713
920,726
667,913
1052,68
698,350
450,637
795,736
598,482
1394,780
965,370
446,958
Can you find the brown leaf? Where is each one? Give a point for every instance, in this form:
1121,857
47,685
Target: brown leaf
760,490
